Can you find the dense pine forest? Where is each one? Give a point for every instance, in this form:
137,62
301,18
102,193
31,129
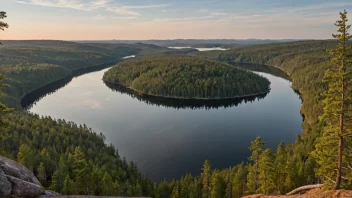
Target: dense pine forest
65,157
73,159
184,77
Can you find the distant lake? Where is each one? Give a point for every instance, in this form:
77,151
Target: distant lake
169,138
201,49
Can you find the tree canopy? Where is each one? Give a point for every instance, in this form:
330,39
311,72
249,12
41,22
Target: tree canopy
185,77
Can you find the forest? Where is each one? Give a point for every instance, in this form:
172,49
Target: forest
47,61
73,159
66,157
185,77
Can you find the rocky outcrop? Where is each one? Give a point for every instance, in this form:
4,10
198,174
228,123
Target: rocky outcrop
17,180
315,193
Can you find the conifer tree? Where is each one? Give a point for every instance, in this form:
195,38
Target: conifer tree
175,192
3,25
217,185
107,181
256,147
42,174
239,181
206,176
331,151
266,172
68,188
59,175
280,164
3,107
25,156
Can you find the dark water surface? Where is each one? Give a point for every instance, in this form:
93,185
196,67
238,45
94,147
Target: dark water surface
169,138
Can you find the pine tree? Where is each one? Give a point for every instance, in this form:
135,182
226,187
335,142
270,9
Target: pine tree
331,148
3,25
266,172
175,192
280,164
58,178
42,174
217,185
206,176
68,188
3,108
239,181
107,181
256,147
25,156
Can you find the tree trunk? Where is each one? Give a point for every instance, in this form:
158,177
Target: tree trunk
308,187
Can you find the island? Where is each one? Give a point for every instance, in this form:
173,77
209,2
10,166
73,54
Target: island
186,78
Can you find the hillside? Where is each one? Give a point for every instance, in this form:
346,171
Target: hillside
49,60
291,165
305,61
185,77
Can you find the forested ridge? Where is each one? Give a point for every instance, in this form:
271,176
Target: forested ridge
185,77
289,167
66,158
312,158
49,60
75,160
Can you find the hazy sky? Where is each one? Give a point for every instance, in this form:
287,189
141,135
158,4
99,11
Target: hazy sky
171,19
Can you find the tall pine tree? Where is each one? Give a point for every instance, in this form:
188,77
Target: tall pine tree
3,108
206,177
256,147
331,148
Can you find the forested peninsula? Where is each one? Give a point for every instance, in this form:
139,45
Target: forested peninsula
186,78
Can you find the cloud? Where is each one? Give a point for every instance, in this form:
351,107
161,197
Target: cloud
123,11
71,4
147,6
91,5
128,10
184,19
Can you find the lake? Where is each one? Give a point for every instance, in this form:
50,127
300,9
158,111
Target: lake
201,49
169,138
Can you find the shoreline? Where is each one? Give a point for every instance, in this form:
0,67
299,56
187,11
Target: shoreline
182,98
73,73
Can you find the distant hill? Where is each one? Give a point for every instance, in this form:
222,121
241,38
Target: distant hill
230,43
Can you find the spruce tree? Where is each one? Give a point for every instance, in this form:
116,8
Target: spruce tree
266,172
3,25
206,176
256,148
331,151
42,174
280,164
175,192
3,107
107,181
68,188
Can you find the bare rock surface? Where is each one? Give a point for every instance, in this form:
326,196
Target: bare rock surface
17,180
316,193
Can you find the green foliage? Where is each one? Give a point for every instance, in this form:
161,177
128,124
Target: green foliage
206,179
332,151
256,148
185,77
267,173
70,159
3,25
239,180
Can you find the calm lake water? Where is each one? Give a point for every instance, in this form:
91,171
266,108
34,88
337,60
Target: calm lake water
170,138
201,49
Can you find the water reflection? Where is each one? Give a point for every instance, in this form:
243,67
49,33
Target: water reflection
184,103
262,68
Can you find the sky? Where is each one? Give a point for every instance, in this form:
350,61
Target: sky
171,19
